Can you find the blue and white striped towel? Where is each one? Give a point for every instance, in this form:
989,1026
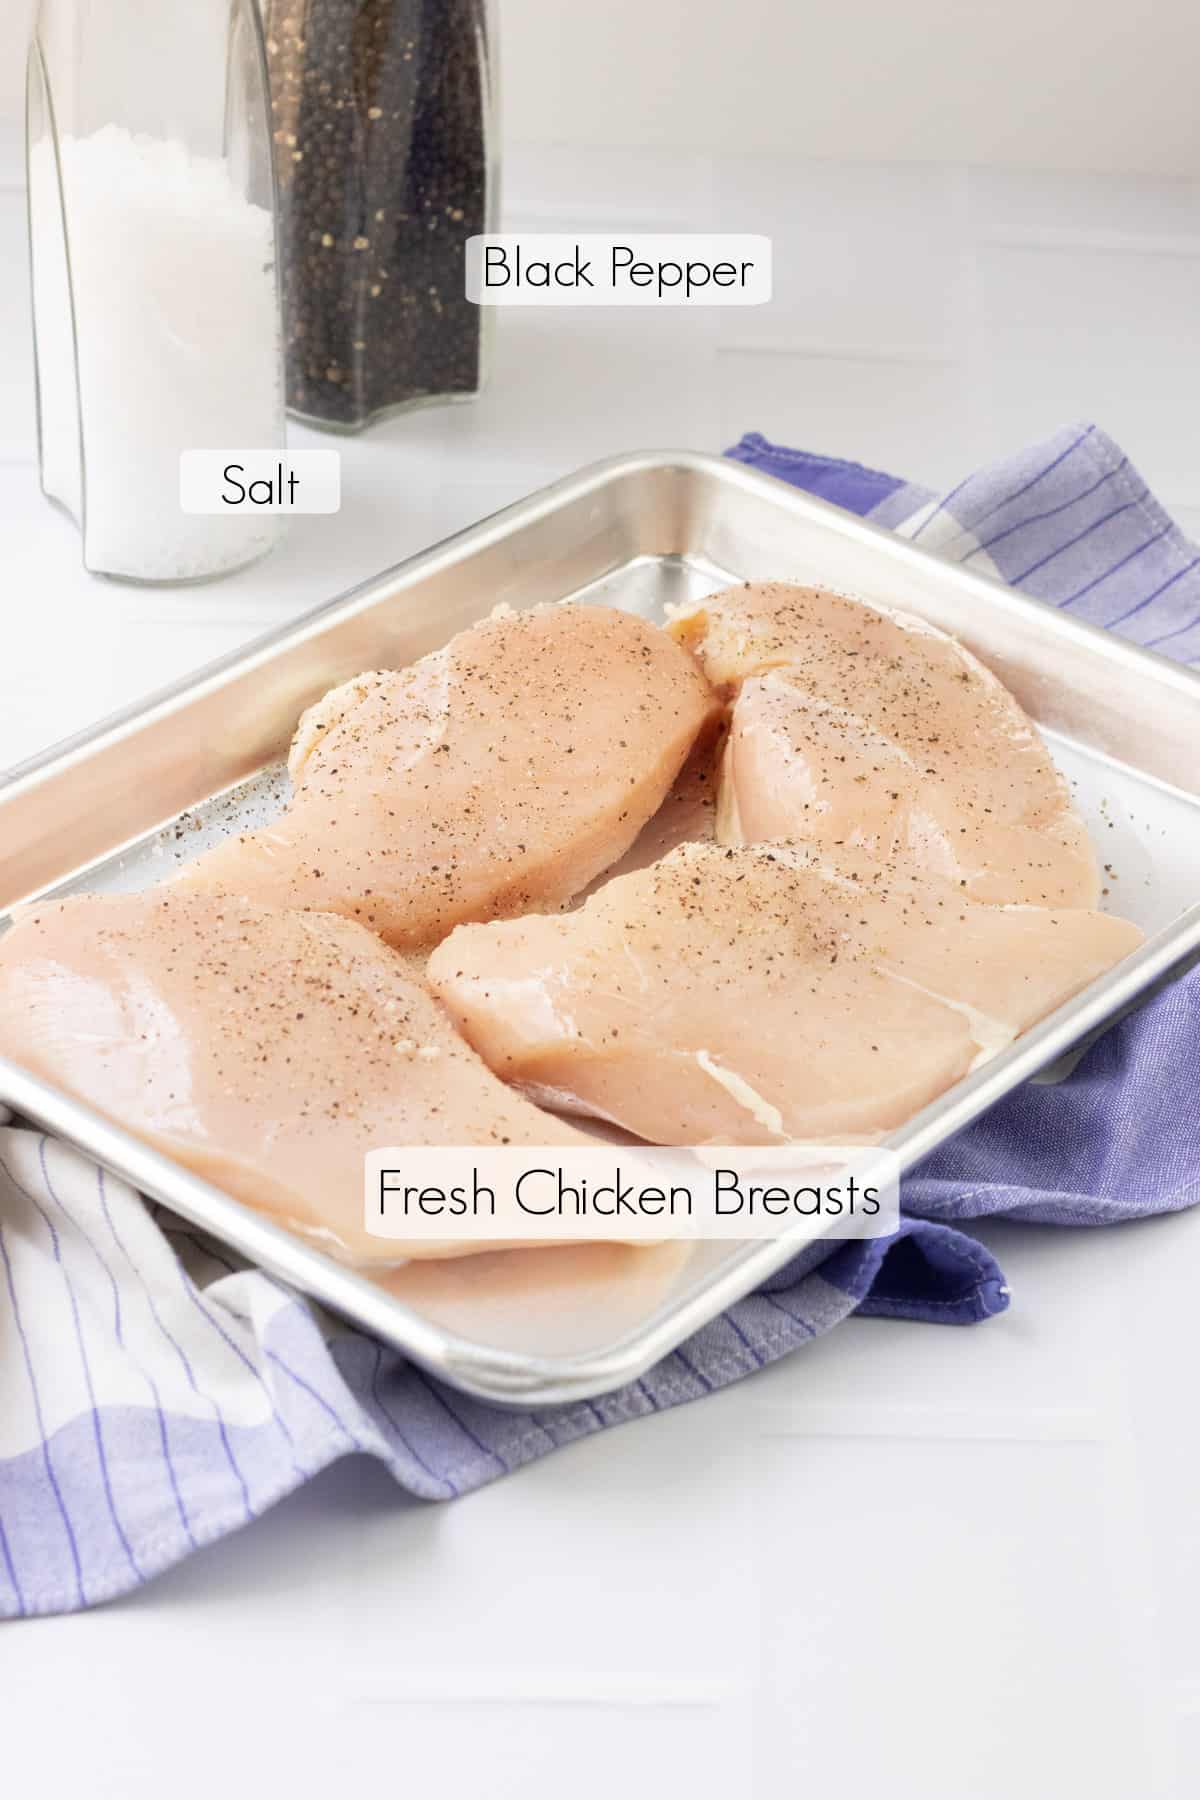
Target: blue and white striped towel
154,1396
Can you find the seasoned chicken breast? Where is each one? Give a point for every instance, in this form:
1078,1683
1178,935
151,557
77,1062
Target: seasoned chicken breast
265,1050
503,772
753,995
857,727
688,815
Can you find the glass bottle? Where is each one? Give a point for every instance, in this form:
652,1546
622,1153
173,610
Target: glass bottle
154,272
382,120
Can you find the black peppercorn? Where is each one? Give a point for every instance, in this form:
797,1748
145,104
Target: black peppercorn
380,129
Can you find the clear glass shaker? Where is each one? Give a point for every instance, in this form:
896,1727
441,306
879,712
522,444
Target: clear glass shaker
154,272
383,120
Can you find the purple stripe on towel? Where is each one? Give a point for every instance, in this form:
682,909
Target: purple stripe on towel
484,1449
1099,580
11,1571
740,1335
163,1429
247,1362
1052,512
47,1460
73,1302
306,1387
1178,630
395,1426
943,505
210,1399
1033,481
1061,550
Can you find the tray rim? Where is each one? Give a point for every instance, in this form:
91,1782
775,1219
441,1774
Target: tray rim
58,756
512,1377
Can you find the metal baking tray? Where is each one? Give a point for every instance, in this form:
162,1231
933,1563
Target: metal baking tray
120,806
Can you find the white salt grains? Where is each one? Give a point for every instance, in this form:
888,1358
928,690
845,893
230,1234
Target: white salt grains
177,328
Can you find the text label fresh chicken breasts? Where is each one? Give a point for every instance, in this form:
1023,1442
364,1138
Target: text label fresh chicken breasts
630,1193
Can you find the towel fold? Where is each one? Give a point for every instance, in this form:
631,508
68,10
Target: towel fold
154,1394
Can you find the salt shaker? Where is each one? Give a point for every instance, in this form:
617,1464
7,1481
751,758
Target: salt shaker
382,120
156,303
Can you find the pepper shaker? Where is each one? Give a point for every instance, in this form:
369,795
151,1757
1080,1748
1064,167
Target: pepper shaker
383,132
154,272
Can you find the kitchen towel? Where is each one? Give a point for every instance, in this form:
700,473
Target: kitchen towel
155,1395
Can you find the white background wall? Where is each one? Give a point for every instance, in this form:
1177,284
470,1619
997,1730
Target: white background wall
1071,84
1099,84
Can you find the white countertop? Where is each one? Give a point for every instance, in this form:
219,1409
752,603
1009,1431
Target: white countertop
987,1539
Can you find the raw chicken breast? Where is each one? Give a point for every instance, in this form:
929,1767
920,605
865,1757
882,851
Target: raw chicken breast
854,726
688,815
267,1051
751,995
503,772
